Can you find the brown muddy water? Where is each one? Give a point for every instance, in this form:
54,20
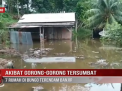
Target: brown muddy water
90,50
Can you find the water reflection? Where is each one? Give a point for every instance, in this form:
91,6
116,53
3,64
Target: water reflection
21,48
88,50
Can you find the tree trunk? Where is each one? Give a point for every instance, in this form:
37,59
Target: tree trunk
18,8
22,12
10,6
27,6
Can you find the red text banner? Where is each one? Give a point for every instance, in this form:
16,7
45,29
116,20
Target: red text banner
2,9
60,72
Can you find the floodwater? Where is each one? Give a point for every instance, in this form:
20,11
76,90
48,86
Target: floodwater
90,50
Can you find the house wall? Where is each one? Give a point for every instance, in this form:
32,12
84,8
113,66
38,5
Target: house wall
59,33
66,34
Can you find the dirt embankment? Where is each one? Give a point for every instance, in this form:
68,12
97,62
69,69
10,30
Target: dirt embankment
3,63
9,52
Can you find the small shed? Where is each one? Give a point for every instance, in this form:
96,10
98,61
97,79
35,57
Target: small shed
52,25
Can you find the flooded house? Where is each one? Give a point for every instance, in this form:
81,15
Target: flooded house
56,26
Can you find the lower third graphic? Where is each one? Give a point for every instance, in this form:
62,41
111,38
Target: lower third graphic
1,80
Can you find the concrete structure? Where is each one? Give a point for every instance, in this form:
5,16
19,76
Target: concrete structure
52,25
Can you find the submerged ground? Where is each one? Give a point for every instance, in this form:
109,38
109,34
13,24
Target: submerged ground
87,53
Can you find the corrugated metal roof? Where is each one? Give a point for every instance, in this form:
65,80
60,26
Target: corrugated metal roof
30,25
48,17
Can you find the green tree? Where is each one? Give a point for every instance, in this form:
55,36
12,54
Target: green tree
24,4
103,11
81,8
54,5
70,5
58,5
42,6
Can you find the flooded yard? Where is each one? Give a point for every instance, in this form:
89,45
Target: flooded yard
89,54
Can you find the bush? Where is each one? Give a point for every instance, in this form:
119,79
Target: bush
6,19
82,33
114,32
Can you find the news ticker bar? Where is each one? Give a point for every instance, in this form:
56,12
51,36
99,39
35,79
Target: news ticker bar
60,72
62,80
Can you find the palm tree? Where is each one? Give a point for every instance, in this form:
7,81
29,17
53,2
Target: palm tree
104,11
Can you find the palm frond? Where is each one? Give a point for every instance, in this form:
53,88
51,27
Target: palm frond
92,18
106,2
111,19
95,22
118,18
114,5
101,25
103,3
95,11
118,12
